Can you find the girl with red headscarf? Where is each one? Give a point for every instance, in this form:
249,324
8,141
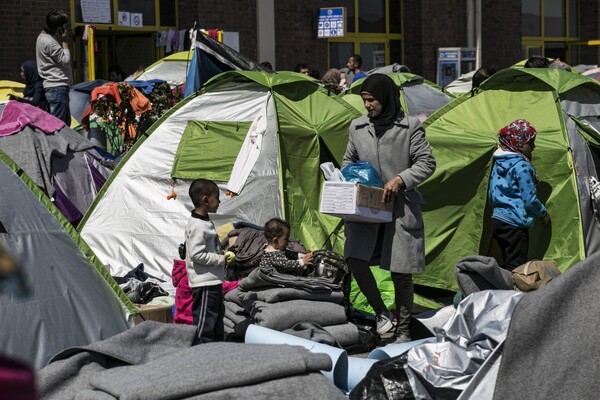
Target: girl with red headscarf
512,192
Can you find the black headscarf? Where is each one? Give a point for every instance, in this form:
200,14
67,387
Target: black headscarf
383,89
33,82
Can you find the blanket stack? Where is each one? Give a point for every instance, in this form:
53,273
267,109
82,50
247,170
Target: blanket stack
157,361
281,302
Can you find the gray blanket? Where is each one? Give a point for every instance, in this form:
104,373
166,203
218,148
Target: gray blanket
286,314
156,361
477,273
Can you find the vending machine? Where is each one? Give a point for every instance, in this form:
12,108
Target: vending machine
452,62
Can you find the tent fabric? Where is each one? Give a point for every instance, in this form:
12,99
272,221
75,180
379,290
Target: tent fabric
463,137
212,57
10,87
250,152
212,144
63,158
80,95
72,300
418,96
172,69
304,127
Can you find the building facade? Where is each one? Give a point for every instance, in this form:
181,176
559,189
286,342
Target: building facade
408,32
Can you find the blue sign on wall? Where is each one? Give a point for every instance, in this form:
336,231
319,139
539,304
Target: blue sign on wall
331,22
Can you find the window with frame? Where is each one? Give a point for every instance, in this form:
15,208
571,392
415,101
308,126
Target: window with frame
374,30
548,26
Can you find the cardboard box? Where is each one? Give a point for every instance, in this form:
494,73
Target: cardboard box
160,313
355,202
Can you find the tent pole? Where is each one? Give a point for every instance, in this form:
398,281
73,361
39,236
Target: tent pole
478,34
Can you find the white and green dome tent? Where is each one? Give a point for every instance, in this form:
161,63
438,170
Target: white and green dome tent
274,130
418,96
71,299
172,68
564,107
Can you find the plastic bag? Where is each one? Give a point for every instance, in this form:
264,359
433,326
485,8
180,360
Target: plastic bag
362,172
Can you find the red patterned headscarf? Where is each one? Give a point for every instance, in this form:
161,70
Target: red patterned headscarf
513,136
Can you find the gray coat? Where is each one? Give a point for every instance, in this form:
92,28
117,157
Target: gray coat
402,150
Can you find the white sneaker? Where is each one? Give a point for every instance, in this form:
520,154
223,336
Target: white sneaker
384,323
402,338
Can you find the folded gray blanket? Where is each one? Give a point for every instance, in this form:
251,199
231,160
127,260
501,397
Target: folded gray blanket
235,313
269,278
156,361
286,314
208,368
477,273
277,294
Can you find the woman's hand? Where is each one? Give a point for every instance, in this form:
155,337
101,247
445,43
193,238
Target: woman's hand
391,189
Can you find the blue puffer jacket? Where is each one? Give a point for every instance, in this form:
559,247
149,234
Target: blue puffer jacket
512,191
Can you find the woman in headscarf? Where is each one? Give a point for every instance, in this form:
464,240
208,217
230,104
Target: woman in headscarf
33,93
394,144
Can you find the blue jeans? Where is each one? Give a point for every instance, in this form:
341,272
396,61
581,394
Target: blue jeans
58,100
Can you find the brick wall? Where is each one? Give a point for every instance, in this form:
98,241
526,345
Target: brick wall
429,24
228,15
501,33
296,35
21,23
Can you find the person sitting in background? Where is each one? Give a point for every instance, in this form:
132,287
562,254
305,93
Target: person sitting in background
33,93
116,74
135,74
481,75
537,62
302,69
267,65
276,254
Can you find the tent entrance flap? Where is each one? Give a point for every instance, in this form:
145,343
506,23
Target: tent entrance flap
208,149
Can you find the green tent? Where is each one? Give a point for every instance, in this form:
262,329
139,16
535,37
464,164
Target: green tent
418,96
262,136
564,108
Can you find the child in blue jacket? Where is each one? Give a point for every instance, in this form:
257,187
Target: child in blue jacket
512,192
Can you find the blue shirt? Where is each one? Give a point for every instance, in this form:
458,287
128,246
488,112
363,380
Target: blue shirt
358,76
512,192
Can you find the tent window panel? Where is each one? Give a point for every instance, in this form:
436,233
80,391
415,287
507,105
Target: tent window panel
209,149
2,228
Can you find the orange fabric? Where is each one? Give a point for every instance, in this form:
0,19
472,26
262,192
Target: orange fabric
108,88
139,103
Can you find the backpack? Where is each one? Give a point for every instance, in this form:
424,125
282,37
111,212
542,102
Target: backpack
534,274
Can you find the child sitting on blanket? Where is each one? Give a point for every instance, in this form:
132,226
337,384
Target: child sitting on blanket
276,254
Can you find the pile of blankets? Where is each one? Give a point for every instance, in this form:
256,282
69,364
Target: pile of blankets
157,361
283,302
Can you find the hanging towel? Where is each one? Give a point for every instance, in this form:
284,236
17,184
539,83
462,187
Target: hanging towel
17,115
